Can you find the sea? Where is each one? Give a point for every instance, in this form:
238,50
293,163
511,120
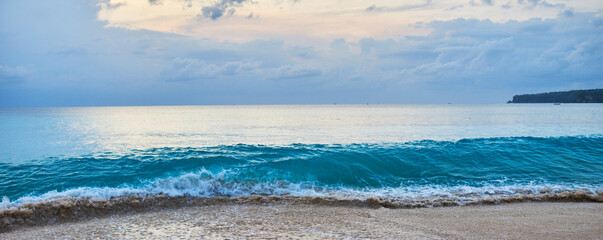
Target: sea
418,155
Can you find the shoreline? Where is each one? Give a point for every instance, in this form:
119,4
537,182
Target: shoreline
528,220
78,208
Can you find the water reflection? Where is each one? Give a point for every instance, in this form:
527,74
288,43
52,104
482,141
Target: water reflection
27,134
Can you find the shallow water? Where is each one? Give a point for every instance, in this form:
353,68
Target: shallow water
393,152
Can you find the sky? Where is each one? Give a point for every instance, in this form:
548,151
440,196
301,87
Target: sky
211,52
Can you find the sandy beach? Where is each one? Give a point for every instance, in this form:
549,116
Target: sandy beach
538,220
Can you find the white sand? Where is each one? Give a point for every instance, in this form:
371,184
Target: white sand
282,220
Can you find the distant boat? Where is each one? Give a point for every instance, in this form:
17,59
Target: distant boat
557,103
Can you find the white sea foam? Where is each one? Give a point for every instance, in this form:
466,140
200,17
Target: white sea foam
204,183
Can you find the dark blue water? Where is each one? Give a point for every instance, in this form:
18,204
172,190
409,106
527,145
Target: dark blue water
105,160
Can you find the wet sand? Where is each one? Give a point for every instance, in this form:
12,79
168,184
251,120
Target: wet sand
539,220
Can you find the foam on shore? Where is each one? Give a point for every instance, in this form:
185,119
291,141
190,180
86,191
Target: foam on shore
76,208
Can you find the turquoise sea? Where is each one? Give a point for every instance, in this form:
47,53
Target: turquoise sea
399,153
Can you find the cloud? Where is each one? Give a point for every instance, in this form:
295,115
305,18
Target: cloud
375,8
487,2
339,45
13,75
311,21
191,69
542,3
532,54
535,53
297,71
220,8
187,69
106,4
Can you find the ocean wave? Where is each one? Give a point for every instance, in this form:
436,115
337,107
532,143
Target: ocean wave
225,183
233,168
412,174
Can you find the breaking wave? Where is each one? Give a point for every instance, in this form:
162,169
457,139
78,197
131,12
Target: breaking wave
401,175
